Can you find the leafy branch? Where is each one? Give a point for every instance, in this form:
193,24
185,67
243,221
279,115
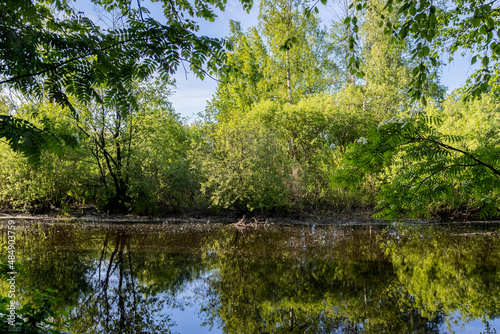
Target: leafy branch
429,159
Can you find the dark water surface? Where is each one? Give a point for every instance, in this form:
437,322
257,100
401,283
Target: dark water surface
195,278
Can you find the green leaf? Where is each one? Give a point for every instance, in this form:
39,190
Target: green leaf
490,23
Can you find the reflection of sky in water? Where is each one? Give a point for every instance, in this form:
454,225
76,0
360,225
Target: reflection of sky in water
183,307
475,327
188,318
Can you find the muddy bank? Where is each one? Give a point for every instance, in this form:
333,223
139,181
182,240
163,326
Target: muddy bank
347,218
338,219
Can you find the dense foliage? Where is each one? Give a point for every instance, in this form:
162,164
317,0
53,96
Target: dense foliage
435,30
307,117
50,49
438,160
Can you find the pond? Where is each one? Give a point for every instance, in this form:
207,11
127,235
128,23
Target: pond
214,278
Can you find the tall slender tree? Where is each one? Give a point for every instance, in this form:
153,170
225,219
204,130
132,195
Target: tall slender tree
299,47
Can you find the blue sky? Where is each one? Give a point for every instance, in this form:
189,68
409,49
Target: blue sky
191,93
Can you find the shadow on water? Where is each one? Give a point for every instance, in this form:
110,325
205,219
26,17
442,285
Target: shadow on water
154,278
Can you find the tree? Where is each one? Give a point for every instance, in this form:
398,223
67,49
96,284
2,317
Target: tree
438,160
287,57
247,84
299,48
245,166
426,168
433,29
160,173
50,50
384,63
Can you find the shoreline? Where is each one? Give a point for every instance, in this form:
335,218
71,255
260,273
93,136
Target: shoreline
340,219
364,219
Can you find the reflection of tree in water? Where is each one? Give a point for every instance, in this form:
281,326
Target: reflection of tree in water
49,259
119,303
120,279
452,274
275,280
290,281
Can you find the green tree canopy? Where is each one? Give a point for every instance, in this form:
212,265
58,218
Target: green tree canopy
48,49
434,29
440,159
287,57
